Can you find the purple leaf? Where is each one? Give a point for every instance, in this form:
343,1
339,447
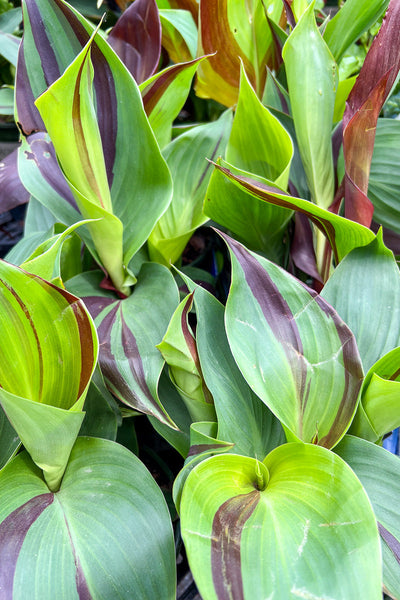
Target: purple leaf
136,38
12,192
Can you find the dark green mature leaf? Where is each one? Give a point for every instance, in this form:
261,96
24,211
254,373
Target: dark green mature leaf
136,38
310,382
9,440
384,183
379,472
298,525
129,332
364,104
373,313
353,18
9,46
94,538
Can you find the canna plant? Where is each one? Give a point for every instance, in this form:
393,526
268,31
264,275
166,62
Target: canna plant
279,396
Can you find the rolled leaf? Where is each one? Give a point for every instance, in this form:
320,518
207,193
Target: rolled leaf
49,348
179,350
310,383
136,38
312,78
59,542
273,528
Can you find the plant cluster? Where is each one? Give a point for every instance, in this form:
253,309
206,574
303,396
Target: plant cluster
277,388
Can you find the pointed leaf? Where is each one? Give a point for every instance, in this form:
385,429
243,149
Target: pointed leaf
12,192
273,528
310,383
50,541
179,34
136,38
309,61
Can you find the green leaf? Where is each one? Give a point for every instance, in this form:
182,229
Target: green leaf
6,101
49,349
275,529
102,414
310,382
9,46
379,473
59,542
129,332
9,440
243,419
312,78
179,34
353,18
164,95
384,186
187,160
342,234
373,313
179,350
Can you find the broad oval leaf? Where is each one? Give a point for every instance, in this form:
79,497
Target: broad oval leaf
293,349
379,473
94,538
271,530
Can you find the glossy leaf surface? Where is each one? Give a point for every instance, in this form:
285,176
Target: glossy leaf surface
271,529
58,542
310,383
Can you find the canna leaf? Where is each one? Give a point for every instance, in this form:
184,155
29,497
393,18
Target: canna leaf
373,314
273,528
364,104
164,95
379,470
136,38
128,333
310,383
49,348
12,192
234,31
342,234
9,46
179,34
186,157
353,18
59,542
308,59
179,350
9,440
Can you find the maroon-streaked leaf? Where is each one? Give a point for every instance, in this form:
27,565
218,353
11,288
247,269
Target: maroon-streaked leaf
310,381
364,104
136,38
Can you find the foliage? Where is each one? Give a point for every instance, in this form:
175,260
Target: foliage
273,371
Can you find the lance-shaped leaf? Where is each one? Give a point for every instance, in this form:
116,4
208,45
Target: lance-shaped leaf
234,31
9,440
364,104
353,18
49,350
164,95
136,38
179,350
258,144
342,234
384,185
68,110
129,332
261,530
373,314
187,158
310,382
243,418
12,192
179,34
94,538
312,78
9,46
379,409
140,189
379,472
